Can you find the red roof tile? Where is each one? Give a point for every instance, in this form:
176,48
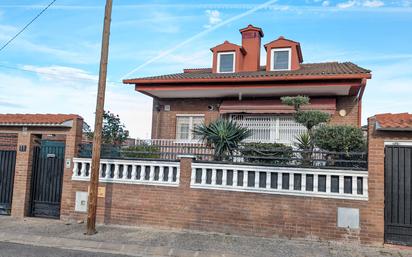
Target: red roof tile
36,119
397,121
325,70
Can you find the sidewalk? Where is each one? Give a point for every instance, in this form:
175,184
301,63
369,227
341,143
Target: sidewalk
138,241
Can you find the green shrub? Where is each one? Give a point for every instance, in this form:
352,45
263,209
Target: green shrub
141,151
339,138
267,150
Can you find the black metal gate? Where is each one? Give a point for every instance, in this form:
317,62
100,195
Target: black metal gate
7,167
398,192
48,168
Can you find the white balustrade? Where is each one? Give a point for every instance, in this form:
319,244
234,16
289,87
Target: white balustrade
313,182
110,171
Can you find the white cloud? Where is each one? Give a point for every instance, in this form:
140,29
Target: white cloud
325,3
31,94
346,5
56,72
361,3
213,18
373,3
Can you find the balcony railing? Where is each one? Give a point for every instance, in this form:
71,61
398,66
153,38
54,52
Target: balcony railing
161,149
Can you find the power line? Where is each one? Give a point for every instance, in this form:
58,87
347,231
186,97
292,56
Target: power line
27,25
61,77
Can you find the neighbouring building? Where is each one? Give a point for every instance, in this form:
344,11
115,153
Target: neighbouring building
239,88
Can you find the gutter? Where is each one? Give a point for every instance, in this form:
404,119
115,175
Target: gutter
362,76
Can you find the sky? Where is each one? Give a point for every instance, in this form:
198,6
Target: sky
52,67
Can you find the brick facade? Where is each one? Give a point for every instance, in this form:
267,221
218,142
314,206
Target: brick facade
8,141
164,122
353,113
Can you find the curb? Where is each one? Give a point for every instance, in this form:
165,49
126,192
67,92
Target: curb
106,247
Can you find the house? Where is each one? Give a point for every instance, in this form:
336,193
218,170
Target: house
237,87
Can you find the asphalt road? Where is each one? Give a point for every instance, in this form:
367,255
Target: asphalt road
18,250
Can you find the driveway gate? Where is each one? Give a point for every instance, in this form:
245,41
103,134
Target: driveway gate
7,167
48,168
398,191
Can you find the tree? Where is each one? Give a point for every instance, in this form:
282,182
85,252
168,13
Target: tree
114,131
309,118
223,135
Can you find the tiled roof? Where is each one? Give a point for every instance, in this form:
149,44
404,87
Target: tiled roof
398,121
37,119
308,69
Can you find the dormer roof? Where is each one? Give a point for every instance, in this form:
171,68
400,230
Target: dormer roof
227,46
284,42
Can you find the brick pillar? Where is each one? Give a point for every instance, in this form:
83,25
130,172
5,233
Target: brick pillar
376,172
73,140
185,171
22,177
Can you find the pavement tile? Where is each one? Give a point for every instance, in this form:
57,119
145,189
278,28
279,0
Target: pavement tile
151,242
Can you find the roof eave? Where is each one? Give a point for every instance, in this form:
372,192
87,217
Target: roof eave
249,79
380,128
394,129
60,125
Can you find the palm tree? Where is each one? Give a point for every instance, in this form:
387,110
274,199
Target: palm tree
223,135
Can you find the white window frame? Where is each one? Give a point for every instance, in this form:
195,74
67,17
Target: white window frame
218,62
274,124
191,139
272,52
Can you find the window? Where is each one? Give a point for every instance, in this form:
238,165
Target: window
280,59
226,62
185,125
270,128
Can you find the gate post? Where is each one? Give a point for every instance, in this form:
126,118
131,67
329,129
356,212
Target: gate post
73,140
22,177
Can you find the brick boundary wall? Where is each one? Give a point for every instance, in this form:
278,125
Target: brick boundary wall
244,212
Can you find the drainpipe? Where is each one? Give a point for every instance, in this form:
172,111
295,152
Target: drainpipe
359,98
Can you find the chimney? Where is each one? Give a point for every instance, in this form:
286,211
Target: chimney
251,38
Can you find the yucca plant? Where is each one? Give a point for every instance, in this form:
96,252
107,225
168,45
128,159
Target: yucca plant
223,135
304,143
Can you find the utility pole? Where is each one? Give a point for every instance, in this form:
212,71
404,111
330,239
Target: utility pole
97,138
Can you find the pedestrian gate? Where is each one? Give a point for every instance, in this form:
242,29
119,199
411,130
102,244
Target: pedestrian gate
398,192
7,167
48,168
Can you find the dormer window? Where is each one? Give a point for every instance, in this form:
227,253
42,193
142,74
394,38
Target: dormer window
280,59
226,62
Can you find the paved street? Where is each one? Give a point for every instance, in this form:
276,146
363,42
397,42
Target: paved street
37,235
20,250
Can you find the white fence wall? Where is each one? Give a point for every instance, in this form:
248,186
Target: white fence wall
344,184
160,173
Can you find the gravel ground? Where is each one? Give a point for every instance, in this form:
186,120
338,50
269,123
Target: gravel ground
195,241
